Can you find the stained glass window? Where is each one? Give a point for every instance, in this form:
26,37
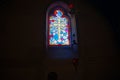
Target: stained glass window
58,29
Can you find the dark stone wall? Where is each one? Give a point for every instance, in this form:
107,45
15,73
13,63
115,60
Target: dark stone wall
22,43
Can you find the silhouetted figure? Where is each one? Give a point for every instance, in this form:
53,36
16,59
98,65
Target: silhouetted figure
52,76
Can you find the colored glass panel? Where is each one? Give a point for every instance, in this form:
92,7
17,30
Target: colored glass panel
58,29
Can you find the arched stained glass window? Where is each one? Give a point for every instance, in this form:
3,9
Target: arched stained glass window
58,28
61,36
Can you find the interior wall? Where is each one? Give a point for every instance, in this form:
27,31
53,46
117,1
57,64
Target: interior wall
23,44
98,55
22,40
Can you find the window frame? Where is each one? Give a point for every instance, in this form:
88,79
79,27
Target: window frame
64,7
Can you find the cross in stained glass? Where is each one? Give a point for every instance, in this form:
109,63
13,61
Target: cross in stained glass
58,29
59,26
